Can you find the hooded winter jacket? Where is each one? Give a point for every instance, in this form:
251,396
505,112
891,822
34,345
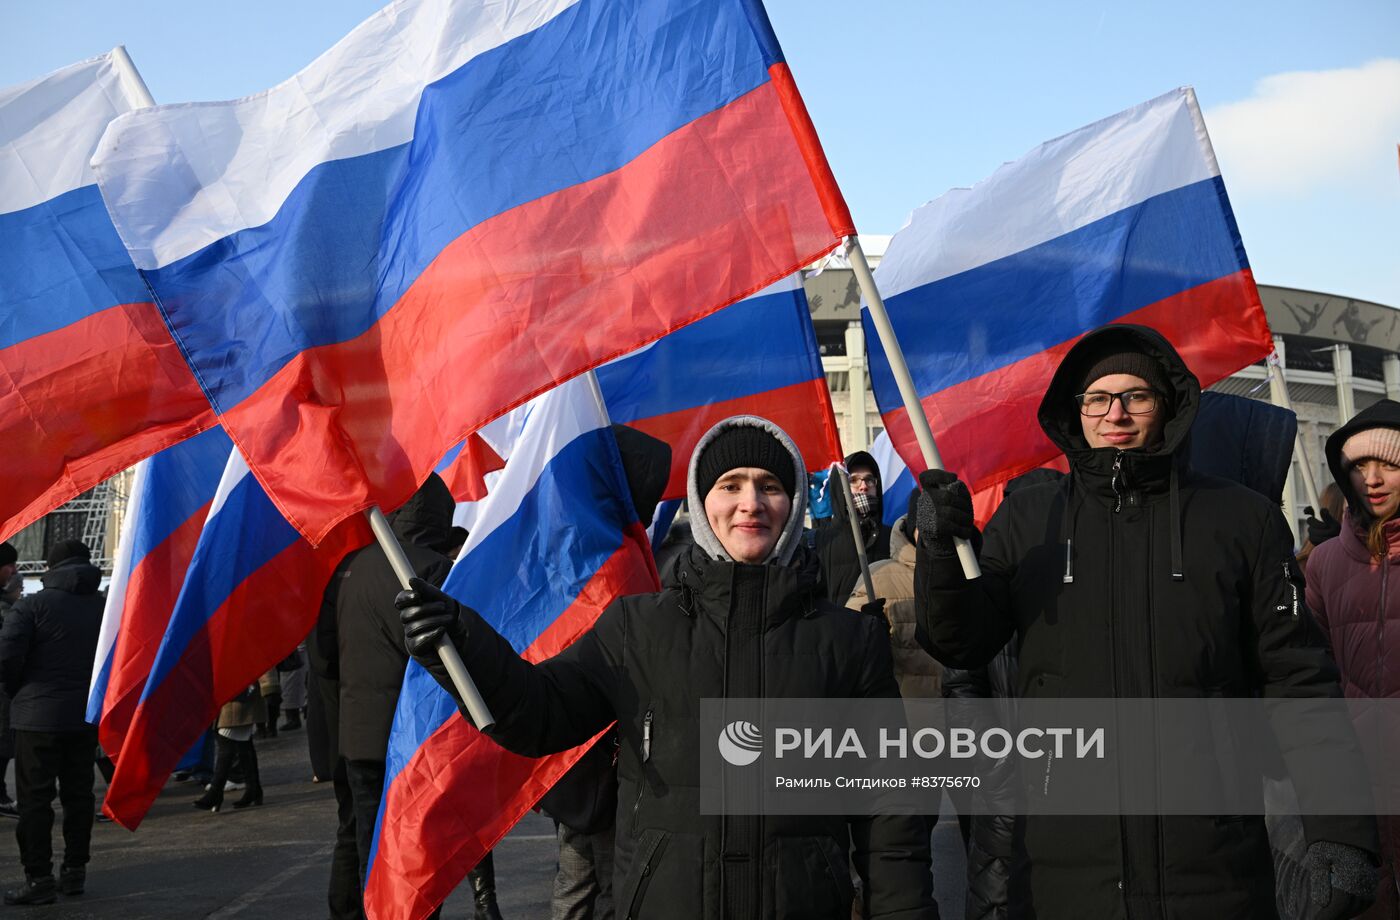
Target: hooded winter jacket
836,548
360,626
47,647
723,630
1134,577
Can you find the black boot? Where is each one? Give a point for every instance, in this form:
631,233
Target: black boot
253,793
37,889
293,721
213,798
483,879
72,880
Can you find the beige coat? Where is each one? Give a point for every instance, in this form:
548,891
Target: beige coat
919,676
236,713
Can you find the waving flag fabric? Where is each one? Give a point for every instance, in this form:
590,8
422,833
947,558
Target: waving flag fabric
756,357
500,195
93,380
170,499
1124,220
556,541
898,482
252,592
465,466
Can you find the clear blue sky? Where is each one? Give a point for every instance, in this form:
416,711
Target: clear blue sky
912,97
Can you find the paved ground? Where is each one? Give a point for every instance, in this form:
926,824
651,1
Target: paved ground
271,861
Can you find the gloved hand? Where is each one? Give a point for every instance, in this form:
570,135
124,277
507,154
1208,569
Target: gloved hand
1322,529
1342,880
876,608
945,511
427,615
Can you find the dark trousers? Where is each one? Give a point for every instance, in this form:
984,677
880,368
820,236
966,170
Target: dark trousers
43,759
343,892
366,778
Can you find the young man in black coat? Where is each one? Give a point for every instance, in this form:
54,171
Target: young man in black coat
47,647
1133,577
835,546
745,619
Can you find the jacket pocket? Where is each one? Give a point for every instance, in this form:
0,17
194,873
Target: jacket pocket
813,878
666,878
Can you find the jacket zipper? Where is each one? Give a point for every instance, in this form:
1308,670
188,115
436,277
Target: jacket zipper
1117,471
1380,628
646,756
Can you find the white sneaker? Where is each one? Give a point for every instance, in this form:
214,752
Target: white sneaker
231,786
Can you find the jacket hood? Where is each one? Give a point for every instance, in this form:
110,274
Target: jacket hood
75,576
1384,414
700,528
646,461
426,518
1059,415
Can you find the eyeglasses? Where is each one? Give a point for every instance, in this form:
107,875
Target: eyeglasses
1135,402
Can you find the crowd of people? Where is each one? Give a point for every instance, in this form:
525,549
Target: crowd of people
1131,576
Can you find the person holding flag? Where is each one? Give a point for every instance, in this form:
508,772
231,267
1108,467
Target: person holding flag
746,606
1136,577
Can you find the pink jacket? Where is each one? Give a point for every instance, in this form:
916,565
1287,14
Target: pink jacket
1359,609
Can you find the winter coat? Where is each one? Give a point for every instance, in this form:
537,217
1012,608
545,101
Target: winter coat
1111,583
47,647
836,548
729,630
248,708
360,626
919,675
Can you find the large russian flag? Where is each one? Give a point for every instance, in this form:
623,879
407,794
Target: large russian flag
1125,220
757,357
557,540
93,380
252,592
170,499
500,195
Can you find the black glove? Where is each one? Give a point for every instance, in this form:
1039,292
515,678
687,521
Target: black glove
876,608
944,513
1342,880
428,615
1320,530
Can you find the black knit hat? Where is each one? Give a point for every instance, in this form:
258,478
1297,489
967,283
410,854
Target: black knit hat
740,446
8,554
64,550
1128,362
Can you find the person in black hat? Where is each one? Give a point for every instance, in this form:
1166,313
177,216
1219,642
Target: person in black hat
835,545
47,647
745,614
1135,577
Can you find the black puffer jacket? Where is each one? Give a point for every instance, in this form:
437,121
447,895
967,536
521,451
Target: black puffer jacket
359,637
835,546
729,630
1124,626
47,647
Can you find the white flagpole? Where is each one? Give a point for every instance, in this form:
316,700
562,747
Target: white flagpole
131,77
1278,389
912,407
466,688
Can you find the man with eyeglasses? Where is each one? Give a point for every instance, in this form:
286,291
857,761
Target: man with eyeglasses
1134,577
835,546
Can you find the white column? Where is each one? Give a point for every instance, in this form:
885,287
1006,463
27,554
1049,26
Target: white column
1278,395
1341,369
1390,365
857,431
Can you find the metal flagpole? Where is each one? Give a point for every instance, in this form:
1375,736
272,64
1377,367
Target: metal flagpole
855,529
466,688
131,78
912,407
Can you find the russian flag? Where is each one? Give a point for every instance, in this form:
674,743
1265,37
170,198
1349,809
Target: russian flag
556,541
93,380
1125,220
678,387
170,499
502,193
464,468
252,592
895,478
